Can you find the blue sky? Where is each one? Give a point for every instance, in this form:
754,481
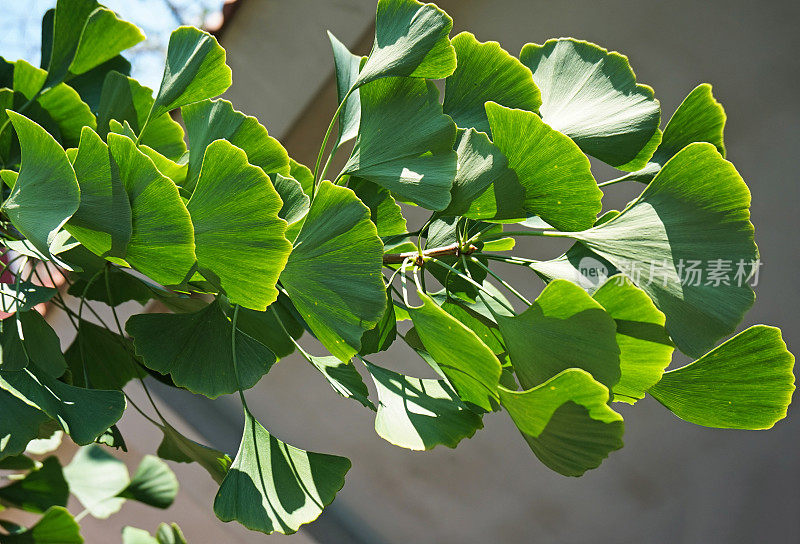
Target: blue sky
20,29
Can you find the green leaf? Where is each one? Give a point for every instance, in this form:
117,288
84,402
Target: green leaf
103,220
132,535
484,186
591,95
19,425
153,484
347,67
644,345
62,103
211,120
564,328
84,35
411,39
303,174
744,383
295,201
42,345
274,487
343,378
338,291
465,360
39,489
166,534
84,414
695,212
178,448
195,350
96,477
272,327
23,297
103,356
18,462
123,99
415,159
555,175
419,414
566,421
48,440
162,240
195,70
383,209
381,336
46,193
57,526
476,316
123,285
89,85
699,118
238,234
578,264
486,72
13,356
104,36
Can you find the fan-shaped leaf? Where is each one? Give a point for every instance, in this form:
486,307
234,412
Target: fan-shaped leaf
211,120
591,95
39,489
745,383
347,67
420,414
343,378
238,234
699,118
103,356
467,362
411,39
19,425
383,209
153,484
46,193
103,220
162,239
274,487
694,212
564,328
566,421
415,159
486,72
23,296
178,448
57,526
556,177
339,292
96,478
195,349
195,70
644,345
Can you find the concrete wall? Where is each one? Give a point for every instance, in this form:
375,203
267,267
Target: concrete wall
673,482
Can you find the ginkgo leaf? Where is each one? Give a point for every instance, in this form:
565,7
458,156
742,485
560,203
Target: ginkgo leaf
102,356
555,175
383,209
96,477
41,343
699,118
591,95
238,234
23,296
56,526
89,85
195,350
566,421
462,357
578,264
415,159
275,487
275,327
347,67
84,414
166,534
419,414
295,201
486,72
564,328
744,383
84,35
123,99
162,238
102,222
484,186
694,216
46,193
338,292
195,70
62,103
176,447
153,484
381,336
411,39
644,345
210,120
39,489
19,425
343,378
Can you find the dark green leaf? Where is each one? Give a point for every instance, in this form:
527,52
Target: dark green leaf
23,297
19,425
343,378
153,484
57,526
103,356
347,67
39,489
178,448
383,209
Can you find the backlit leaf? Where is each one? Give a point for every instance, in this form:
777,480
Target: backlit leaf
57,526
95,478
153,483
39,489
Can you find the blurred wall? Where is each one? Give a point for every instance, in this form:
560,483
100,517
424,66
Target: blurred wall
673,481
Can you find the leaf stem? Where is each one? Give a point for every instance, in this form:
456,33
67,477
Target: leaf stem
506,234
501,280
475,283
325,139
614,181
452,249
